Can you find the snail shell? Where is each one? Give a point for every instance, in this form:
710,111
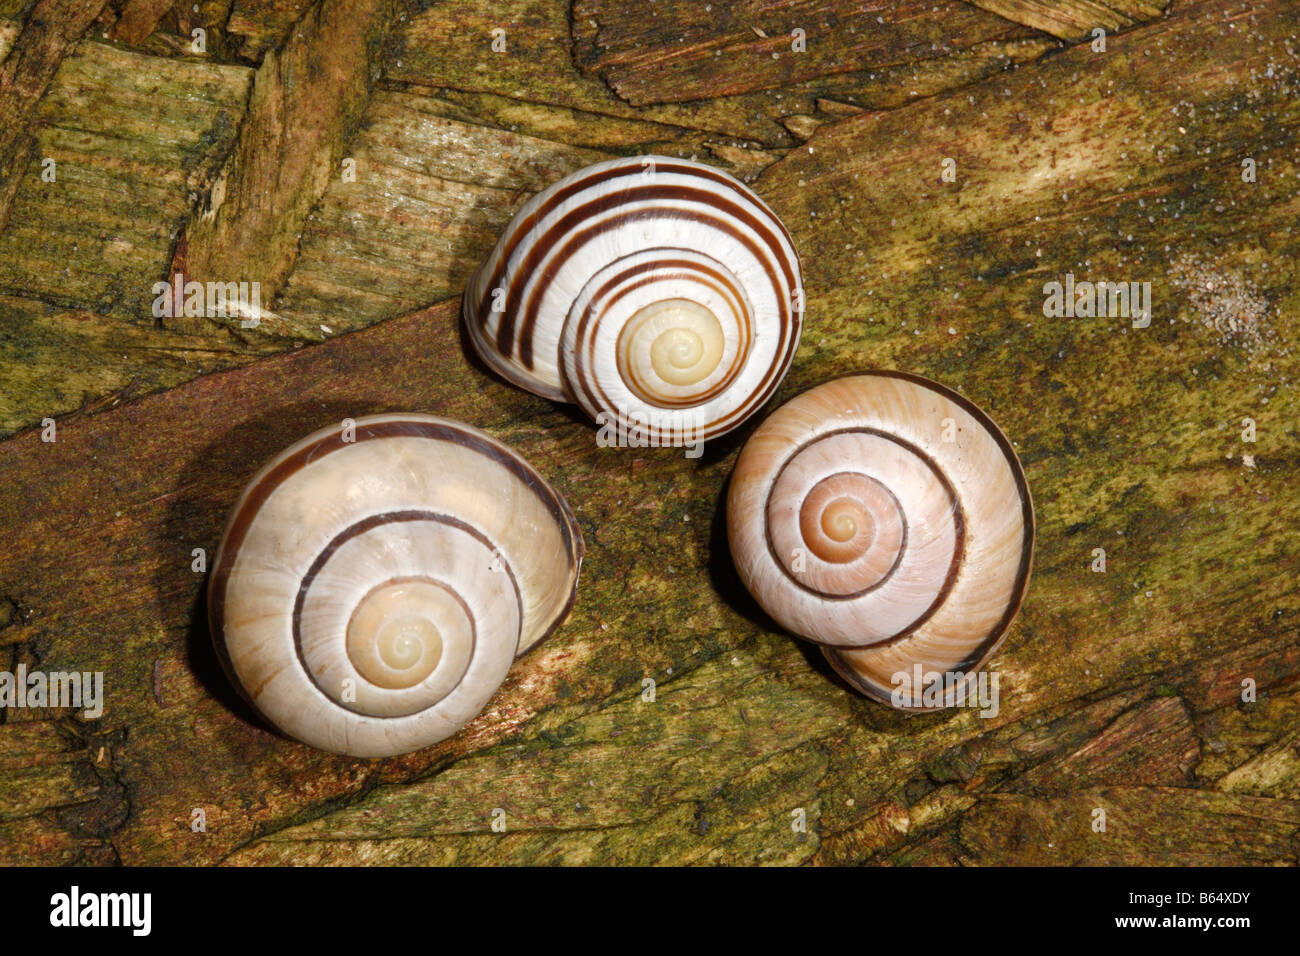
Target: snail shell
887,517
660,292
374,583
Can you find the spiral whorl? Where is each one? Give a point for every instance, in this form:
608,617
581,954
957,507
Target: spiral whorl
887,517
375,582
657,291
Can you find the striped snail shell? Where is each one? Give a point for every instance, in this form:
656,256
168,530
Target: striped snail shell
656,293
376,580
886,517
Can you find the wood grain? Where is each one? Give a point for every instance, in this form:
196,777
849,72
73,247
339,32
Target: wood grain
139,18
51,28
100,233
306,102
1075,20
670,52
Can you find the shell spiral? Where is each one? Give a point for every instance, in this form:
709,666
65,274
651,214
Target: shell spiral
375,581
887,517
657,293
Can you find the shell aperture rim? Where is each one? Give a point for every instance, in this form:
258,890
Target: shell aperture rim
989,644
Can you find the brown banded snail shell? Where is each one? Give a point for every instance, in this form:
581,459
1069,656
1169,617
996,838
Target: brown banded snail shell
376,580
657,293
886,517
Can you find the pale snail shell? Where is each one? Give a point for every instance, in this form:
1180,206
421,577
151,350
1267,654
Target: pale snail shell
887,517
660,292
376,580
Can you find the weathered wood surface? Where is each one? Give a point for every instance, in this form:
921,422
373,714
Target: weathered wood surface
52,27
690,52
306,103
1121,690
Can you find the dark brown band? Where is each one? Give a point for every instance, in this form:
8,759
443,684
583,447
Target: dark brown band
989,643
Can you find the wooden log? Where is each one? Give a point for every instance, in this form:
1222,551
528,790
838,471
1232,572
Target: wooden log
132,139
258,26
1162,690
1075,20
306,103
451,48
367,253
677,51
139,18
54,361
429,198
52,27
